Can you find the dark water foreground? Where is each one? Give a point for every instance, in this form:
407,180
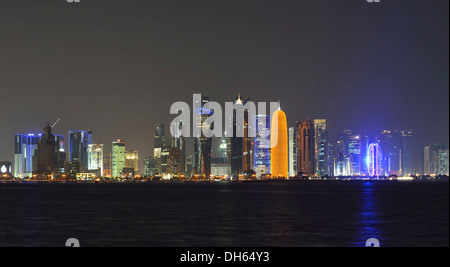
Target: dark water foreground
225,214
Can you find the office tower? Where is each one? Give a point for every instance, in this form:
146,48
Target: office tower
150,167
426,159
47,157
180,144
25,147
60,152
354,155
406,152
306,147
72,168
202,144
340,154
240,146
95,158
107,165
246,142
132,160
291,152
443,162
261,161
374,160
434,167
160,137
78,145
118,158
364,141
279,144
391,149
189,167
321,147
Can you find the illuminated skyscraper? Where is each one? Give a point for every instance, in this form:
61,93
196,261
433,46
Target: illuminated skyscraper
118,158
78,145
241,147
292,154
391,149
306,147
321,147
202,144
261,162
279,144
443,162
47,159
407,166
354,154
95,158
426,160
374,159
341,158
107,165
25,147
149,167
132,160
435,157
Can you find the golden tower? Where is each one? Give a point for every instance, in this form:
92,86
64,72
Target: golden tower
279,141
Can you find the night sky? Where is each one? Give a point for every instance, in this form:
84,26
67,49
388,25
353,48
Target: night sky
116,66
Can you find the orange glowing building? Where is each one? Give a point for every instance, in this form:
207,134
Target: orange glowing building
279,140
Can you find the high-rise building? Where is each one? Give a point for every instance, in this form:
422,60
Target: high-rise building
95,158
241,147
132,160
426,159
150,167
47,159
160,137
321,147
341,159
443,162
78,145
374,160
354,154
107,171
435,157
118,158
291,161
202,144
279,144
25,148
180,144
306,147
407,166
261,161
391,150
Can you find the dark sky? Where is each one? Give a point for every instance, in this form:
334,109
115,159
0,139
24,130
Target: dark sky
116,66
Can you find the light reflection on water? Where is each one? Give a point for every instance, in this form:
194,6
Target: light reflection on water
369,215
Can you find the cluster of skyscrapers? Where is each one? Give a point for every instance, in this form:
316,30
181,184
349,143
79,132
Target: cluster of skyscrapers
43,155
304,150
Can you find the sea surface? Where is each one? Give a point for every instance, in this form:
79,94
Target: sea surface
223,214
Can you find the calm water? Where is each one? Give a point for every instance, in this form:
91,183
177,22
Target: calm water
225,214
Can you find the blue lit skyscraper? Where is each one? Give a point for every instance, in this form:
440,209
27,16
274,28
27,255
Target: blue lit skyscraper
78,147
261,162
321,147
374,159
25,148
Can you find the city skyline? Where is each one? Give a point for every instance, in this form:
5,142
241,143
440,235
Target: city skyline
383,75
349,154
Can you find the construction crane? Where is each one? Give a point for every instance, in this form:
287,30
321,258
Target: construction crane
54,124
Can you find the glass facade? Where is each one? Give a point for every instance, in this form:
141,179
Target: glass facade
261,161
118,158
